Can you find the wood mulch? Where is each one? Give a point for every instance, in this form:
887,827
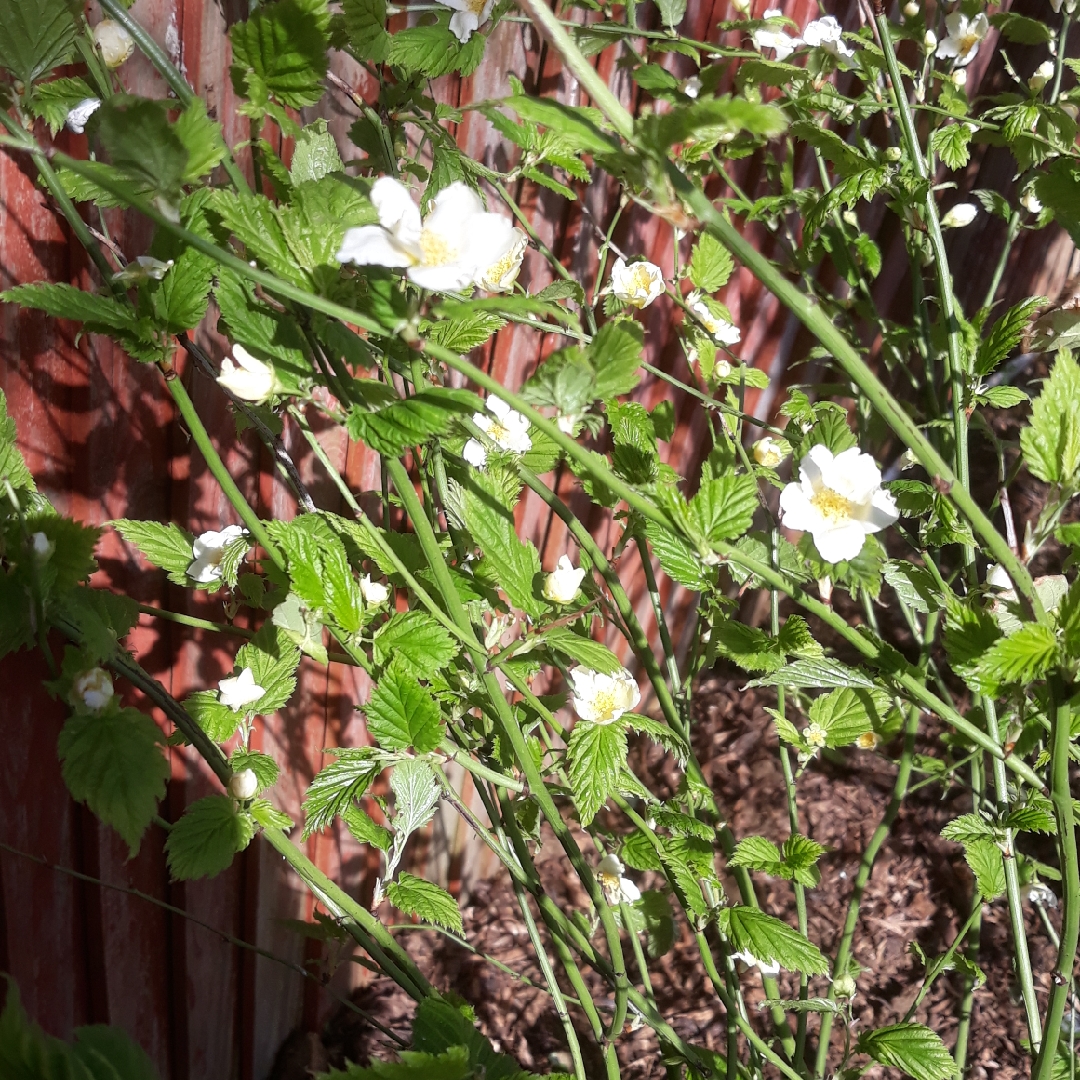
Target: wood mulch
920,892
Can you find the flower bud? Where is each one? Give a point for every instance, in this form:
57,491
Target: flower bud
43,547
562,585
373,592
244,375
844,986
911,9
692,87
244,785
959,78
960,216
929,41
94,688
768,452
1031,202
893,153
114,42
1041,76
742,6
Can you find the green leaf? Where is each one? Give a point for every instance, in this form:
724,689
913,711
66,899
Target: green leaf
416,793
760,854
984,858
800,857
597,756
217,720
1021,657
795,861
205,839
1004,397
767,938
316,154
416,642
99,314
426,901
616,354
913,1048
114,763
166,546
339,785
263,766
36,36
951,143
583,126
402,713
365,23
269,816
967,828
393,428
678,559
1058,189
845,714
12,466
141,143
202,138
273,658
433,50
654,911
915,586
672,12
1005,335
464,334
710,264
1021,29
364,829
831,147
591,654
724,508
109,1054
1051,444
726,113
52,101
747,646
280,52
809,673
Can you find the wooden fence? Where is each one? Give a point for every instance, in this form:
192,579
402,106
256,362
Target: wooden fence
102,440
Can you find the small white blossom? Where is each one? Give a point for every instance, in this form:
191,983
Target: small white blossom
94,688
114,42
721,368
500,276
637,284
1040,894
78,116
827,34
692,87
997,577
929,41
776,38
246,376
373,592
911,9
959,78
602,698
507,429
244,785
723,332
768,452
766,967
43,546
815,734
208,551
564,582
960,216
240,691
838,500
1041,76
141,269
449,250
617,888
471,15
964,37
1031,202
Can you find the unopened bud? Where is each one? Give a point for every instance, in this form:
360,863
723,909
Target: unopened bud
244,785
844,986
929,41
893,153
1041,76
911,9
959,78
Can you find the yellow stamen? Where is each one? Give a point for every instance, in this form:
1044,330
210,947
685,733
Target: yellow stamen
831,505
434,249
476,6
604,704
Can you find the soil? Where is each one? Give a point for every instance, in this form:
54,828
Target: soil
920,891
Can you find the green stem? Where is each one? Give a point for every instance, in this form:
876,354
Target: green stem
1061,797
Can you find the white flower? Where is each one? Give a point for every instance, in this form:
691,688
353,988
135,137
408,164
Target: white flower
766,967
826,34
929,41
959,78
208,550
564,582
815,734
454,245
373,592
616,887
602,698
500,276
43,546
94,688
567,424
1031,202
471,15
244,784
241,691
692,87
249,378
769,452
638,284
960,216
964,37
1040,894
115,43
779,39
81,113
143,268
998,578
509,430
1041,76
838,500
723,332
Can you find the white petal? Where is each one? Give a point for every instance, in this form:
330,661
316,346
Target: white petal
372,245
497,407
474,453
882,513
453,277
796,511
453,209
463,24
630,892
840,543
490,238
396,209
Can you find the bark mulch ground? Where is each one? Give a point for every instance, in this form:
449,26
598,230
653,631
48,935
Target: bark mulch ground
920,892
